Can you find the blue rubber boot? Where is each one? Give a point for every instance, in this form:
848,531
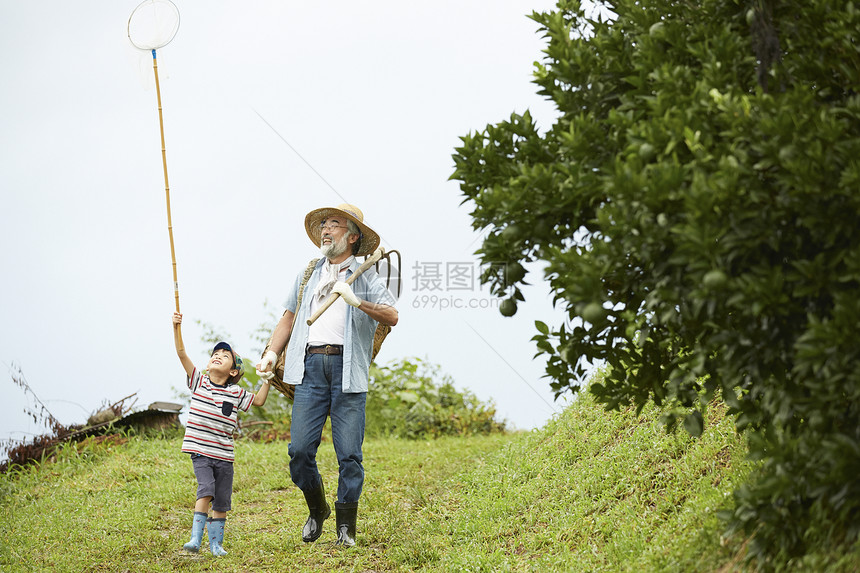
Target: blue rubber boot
216,536
196,532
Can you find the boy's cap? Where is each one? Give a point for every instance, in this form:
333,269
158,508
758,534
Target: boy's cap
237,361
222,346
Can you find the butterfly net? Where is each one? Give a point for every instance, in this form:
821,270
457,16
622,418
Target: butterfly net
153,24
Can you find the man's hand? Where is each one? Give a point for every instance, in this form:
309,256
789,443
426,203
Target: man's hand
266,365
346,293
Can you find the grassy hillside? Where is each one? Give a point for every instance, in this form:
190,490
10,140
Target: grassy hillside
591,491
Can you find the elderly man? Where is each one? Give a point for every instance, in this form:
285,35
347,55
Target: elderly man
328,362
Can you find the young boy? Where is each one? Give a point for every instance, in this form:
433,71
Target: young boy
215,402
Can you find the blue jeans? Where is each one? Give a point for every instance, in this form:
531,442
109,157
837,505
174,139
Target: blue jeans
319,394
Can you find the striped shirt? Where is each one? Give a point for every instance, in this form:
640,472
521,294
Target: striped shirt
213,416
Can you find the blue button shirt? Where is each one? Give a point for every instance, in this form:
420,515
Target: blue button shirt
357,336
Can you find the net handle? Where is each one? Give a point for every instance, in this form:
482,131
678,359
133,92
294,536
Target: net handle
166,183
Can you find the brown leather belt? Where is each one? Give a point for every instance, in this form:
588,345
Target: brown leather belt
326,349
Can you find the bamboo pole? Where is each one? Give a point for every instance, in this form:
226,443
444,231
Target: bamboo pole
177,332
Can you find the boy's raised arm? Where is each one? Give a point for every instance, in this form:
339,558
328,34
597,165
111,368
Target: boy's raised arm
262,394
187,364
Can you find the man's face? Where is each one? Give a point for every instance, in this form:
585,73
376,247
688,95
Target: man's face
334,237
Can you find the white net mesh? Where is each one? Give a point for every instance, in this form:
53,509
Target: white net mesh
153,24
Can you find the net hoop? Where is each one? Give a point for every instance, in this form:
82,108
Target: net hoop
153,24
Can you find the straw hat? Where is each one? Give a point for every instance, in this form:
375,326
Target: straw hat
369,238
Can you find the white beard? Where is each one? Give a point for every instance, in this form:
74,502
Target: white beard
335,248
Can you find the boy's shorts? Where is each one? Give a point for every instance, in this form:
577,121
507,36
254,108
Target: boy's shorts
215,480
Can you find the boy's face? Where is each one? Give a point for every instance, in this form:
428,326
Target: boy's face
221,361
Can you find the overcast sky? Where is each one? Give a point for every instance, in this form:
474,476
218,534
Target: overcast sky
271,109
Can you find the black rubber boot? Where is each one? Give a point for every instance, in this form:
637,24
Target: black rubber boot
319,510
345,516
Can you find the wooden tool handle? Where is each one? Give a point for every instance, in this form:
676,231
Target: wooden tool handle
377,254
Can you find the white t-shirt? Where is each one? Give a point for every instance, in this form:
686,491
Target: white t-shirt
328,328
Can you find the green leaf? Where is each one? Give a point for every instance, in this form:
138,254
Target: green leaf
694,424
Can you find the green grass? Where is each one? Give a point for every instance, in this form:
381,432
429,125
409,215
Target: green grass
592,491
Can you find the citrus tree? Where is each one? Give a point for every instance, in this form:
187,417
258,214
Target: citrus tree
697,207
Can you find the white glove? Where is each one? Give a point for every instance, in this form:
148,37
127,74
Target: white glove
346,293
266,365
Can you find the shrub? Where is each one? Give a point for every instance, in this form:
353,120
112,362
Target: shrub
410,398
